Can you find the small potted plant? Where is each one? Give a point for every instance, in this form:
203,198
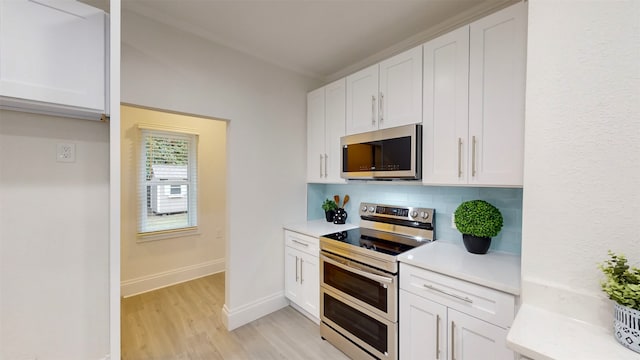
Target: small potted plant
478,221
329,207
622,285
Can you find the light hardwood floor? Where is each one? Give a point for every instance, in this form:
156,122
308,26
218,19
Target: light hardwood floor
183,322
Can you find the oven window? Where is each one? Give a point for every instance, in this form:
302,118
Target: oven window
357,286
357,323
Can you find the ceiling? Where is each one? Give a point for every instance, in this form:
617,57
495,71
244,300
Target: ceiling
317,38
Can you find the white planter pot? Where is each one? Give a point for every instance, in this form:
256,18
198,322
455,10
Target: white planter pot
626,327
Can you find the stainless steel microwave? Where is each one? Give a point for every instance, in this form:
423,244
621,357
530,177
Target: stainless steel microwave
388,154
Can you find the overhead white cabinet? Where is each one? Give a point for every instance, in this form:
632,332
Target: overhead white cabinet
325,126
474,83
53,57
301,272
447,318
385,95
446,108
496,96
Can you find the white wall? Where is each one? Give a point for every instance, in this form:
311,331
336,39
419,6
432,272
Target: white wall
54,239
582,169
169,69
153,264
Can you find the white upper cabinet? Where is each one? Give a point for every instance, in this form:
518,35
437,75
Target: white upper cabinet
401,89
53,57
386,95
497,96
325,126
446,108
474,83
362,101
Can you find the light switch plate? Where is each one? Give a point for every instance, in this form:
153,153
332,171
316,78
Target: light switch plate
66,152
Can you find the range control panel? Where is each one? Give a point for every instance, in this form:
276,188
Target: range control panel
425,215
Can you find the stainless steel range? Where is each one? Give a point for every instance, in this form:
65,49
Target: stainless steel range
359,278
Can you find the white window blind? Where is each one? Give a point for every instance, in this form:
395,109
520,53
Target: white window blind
167,181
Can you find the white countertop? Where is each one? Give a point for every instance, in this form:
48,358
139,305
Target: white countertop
496,270
317,228
545,335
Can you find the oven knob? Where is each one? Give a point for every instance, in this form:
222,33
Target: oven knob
371,209
414,213
424,214
364,209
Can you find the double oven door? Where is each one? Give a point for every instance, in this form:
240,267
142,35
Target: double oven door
360,303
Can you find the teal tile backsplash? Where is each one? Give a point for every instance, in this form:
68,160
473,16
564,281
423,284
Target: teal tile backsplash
445,199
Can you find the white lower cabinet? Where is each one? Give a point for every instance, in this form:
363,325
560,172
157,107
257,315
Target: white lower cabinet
301,273
447,318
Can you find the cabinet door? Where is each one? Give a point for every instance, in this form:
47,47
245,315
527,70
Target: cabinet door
422,328
400,95
446,104
310,284
292,274
335,112
53,52
471,338
362,101
496,97
315,135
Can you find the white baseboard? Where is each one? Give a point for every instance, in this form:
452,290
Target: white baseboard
156,281
245,314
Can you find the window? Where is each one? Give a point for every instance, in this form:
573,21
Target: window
167,182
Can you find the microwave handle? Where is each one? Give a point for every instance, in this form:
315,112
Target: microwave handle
347,265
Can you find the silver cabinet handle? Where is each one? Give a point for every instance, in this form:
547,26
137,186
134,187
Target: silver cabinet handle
459,157
453,345
449,294
381,106
297,269
300,243
320,165
373,110
301,267
473,156
437,337
326,174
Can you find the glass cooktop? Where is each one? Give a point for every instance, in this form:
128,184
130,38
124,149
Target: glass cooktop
373,240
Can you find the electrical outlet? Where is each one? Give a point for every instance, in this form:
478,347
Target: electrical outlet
453,221
66,152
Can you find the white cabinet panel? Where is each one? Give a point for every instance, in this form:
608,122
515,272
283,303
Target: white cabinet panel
325,125
400,98
315,135
474,102
52,52
473,339
387,94
496,97
422,328
443,315
362,100
446,104
335,112
301,272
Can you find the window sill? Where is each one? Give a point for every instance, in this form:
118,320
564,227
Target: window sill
167,234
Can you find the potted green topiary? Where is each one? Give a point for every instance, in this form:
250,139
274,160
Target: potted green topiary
478,221
329,207
622,285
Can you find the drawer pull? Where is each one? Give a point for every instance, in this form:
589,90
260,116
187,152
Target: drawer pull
300,243
463,298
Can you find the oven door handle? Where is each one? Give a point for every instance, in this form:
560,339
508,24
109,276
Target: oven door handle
347,265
